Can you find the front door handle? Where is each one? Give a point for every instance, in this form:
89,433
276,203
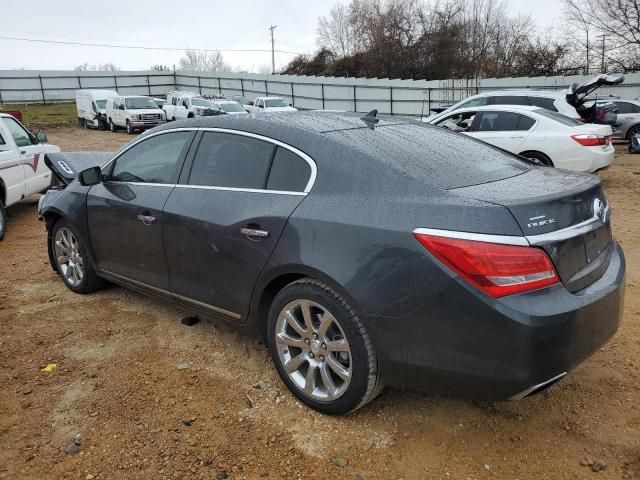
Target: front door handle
147,219
252,232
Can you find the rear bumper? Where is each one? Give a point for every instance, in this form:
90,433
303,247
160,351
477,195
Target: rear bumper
464,343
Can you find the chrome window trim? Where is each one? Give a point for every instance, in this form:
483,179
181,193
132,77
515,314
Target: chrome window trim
477,237
297,152
171,294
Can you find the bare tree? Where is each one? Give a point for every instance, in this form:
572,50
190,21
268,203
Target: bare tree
579,31
199,61
104,67
335,33
160,68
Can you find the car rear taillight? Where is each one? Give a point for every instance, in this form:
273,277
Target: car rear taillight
590,140
496,269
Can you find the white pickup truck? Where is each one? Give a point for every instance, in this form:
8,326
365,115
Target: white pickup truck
182,105
22,168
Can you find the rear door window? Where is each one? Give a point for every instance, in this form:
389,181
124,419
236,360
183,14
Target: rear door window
509,100
289,172
543,102
231,161
624,107
503,122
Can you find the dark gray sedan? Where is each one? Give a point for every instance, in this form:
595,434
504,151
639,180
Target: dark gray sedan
367,251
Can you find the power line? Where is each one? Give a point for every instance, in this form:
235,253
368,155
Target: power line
60,42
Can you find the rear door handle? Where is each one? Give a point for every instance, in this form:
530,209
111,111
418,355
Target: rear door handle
252,232
147,219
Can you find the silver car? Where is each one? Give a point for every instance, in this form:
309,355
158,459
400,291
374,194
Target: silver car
628,123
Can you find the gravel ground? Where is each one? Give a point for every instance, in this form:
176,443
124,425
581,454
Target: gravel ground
150,397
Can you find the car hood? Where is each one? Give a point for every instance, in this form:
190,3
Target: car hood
67,165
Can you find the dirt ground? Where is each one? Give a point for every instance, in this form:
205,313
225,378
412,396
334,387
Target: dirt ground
118,384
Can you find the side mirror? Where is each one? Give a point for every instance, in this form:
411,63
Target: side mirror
90,176
41,137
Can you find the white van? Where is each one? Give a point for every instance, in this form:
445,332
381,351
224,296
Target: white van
133,112
92,107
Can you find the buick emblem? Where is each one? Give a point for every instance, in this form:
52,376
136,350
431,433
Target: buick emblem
600,210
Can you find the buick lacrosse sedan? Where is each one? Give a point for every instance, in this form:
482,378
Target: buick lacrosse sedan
367,251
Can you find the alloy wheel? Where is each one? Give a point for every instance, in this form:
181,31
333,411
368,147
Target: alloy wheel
68,257
313,350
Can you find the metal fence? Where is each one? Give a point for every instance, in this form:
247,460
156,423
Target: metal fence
389,96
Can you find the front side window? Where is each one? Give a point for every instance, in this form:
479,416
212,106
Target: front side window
458,122
19,134
504,122
232,161
288,172
154,160
475,102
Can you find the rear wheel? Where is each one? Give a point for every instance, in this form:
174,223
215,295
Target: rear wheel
3,220
633,131
112,127
321,349
539,158
71,259
86,123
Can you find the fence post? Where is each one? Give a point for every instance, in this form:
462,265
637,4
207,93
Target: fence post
355,104
79,83
115,83
175,80
242,86
0,96
199,86
293,98
44,100
266,89
322,86
219,86
148,84
391,99
429,102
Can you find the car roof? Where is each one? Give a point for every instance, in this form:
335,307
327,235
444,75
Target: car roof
506,108
522,93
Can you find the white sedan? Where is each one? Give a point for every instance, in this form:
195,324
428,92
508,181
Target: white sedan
548,137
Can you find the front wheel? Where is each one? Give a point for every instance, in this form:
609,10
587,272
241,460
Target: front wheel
72,263
112,127
321,349
129,128
3,220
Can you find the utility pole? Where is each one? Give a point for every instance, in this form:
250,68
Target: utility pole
603,36
273,50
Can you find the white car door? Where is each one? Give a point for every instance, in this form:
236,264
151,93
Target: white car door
182,108
37,176
507,130
11,169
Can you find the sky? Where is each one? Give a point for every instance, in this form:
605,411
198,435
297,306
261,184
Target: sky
197,24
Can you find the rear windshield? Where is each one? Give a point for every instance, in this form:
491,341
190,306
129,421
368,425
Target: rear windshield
558,117
435,155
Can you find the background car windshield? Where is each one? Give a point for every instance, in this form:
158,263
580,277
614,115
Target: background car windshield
199,102
101,103
231,107
433,155
276,102
558,117
138,103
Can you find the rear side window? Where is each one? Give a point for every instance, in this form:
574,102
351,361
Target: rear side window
232,161
510,100
624,107
543,102
288,172
558,117
504,122
154,160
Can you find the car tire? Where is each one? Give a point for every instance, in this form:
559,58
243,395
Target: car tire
71,259
539,158
330,363
130,130
112,127
635,130
86,124
3,220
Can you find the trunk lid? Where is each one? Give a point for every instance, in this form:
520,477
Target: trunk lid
67,165
563,212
